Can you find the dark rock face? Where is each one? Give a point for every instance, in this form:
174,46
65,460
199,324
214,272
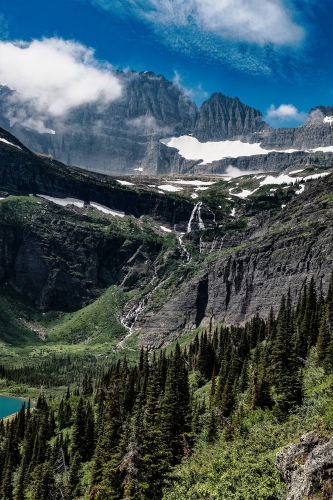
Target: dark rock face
222,118
307,467
314,133
123,137
65,264
252,270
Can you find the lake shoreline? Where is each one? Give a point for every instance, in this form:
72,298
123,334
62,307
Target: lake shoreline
13,408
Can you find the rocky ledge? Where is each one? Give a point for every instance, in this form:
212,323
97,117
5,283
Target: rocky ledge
307,467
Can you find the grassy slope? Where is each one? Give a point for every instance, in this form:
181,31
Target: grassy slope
96,323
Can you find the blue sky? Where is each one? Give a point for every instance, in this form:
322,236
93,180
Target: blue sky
267,52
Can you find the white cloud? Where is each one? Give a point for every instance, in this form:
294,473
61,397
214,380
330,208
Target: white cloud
148,125
52,76
284,113
236,172
196,94
252,36
258,21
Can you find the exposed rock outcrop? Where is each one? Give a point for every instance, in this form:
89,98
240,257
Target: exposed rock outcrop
223,118
307,467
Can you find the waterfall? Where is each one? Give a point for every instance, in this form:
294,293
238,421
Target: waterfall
130,319
196,212
200,221
212,248
183,247
221,245
189,225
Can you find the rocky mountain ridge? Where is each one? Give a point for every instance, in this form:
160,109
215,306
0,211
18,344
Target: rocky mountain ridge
124,137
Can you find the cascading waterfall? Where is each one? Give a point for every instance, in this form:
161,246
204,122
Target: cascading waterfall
221,245
183,247
200,221
196,212
131,317
189,225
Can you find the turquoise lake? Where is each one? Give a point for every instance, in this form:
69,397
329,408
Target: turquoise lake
8,406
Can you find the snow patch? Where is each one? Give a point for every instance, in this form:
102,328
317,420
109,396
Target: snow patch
328,119
244,194
194,183
9,143
301,189
125,183
296,171
323,149
63,201
168,187
166,229
194,195
140,169
315,176
281,179
233,212
286,179
107,210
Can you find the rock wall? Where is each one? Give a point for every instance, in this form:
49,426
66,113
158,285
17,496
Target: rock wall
307,467
252,271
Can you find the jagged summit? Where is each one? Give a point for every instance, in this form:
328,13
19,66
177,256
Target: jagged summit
222,117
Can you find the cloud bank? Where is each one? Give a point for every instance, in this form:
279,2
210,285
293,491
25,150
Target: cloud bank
257,21
52,76
249,35
284,113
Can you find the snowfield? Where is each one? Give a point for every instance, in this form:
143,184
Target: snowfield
191,149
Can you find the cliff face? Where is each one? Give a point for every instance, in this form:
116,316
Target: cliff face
252,271
64,259
222,118
307,467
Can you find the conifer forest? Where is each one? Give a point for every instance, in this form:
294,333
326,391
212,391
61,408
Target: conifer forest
127,432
